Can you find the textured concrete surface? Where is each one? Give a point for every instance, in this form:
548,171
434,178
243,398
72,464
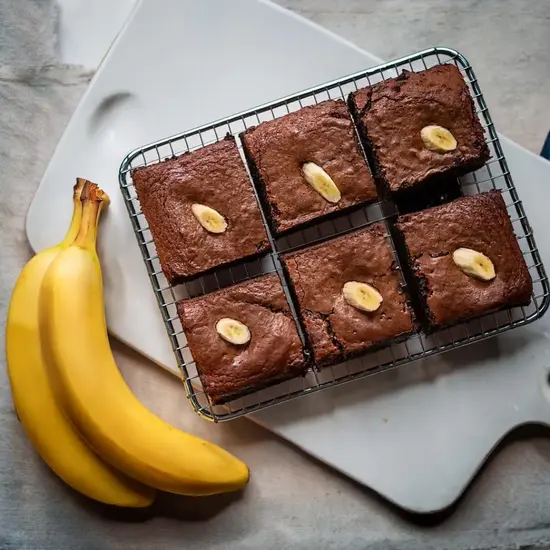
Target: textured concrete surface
292,501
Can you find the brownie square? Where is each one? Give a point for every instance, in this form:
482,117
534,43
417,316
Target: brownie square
480,223
390,116
335,329
273,354
214,176
277,150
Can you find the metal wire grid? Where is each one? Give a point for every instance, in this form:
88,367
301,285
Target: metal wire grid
494,175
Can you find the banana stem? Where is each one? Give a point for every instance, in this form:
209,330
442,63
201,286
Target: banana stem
77,214
93,200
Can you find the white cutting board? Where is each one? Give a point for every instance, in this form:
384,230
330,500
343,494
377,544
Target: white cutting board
416,435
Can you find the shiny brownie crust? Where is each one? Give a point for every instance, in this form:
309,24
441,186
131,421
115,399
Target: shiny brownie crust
391,114
276,150
273,354
335,329
214,176
479,222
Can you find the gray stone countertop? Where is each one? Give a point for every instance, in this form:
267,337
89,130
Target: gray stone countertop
292,501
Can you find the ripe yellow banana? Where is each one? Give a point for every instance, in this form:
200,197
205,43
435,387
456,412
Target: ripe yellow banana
51,433
113,421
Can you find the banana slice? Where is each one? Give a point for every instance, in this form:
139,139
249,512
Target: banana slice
474,263
437,138
233,331
321,182
362,296
209,218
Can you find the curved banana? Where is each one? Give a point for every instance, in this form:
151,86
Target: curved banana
51,433
102,406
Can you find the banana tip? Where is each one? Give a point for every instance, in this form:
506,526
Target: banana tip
92,192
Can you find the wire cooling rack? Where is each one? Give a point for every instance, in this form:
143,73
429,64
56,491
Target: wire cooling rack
494,175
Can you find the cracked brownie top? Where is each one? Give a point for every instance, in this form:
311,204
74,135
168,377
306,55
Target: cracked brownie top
393,117
273,352
336,329
278,150
479,224
214,178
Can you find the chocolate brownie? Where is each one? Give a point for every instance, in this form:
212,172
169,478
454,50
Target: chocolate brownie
213,176
479,223
273,354
277,150
335,329
390,116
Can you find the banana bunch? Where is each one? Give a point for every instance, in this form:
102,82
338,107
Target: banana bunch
70,397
